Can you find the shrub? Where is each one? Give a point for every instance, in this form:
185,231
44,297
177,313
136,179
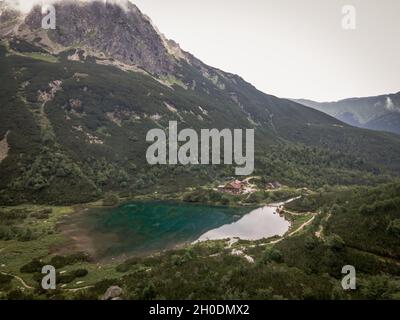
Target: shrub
41,214
272,255
127,265
66,278
252,198
58,262
15,214
19,295
394,228
80,273
380,287
5,281
26,235
335,242
6,233
215,196
31,267
110,200
311,243
62,261
225,201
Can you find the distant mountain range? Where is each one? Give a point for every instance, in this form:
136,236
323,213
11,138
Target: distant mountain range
76,104
380,113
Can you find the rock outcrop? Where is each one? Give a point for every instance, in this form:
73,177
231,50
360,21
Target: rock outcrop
112,293
4,148
132,39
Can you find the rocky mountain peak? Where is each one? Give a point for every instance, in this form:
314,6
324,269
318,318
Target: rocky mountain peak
115,29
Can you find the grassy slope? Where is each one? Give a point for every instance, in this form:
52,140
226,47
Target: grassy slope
303,266
294,144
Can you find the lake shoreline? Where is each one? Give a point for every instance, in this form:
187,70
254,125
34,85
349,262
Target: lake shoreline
259,215
80,239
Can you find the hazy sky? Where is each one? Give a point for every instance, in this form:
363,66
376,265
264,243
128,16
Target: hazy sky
290,48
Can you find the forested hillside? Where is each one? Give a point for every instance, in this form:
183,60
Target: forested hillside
381,113
76,109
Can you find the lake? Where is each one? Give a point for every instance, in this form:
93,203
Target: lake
140,228
258,224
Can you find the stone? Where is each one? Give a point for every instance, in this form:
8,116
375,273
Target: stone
112,293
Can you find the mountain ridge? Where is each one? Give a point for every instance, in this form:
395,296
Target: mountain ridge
380,113
77,117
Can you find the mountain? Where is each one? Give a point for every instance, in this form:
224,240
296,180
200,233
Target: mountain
78,101
380,113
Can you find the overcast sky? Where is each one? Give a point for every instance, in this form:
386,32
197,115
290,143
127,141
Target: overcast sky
290,48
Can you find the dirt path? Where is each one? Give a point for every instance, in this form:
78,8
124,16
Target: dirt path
320,233
27,286
305,224
297,214
19,279
77,289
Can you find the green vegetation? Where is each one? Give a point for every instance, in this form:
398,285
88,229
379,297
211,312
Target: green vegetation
110,200
13,226
77,129
88,137
306,265
211,196
5,282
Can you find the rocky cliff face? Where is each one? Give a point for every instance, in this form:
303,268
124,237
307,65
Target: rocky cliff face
115,30
78,102
8,15
122,33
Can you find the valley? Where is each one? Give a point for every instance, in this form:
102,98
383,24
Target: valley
269,258
381,113
77,191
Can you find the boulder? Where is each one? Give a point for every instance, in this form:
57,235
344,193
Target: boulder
112,293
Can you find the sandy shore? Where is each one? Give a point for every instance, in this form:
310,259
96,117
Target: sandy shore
78,239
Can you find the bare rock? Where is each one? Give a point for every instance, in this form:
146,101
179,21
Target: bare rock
112,293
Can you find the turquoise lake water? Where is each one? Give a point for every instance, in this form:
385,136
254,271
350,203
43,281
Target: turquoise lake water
141,228
145,227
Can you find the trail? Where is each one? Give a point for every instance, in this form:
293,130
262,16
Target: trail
297,214
305,224
19,279
78,289
320,233
27,286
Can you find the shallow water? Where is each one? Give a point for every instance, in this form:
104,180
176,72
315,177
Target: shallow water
140,228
